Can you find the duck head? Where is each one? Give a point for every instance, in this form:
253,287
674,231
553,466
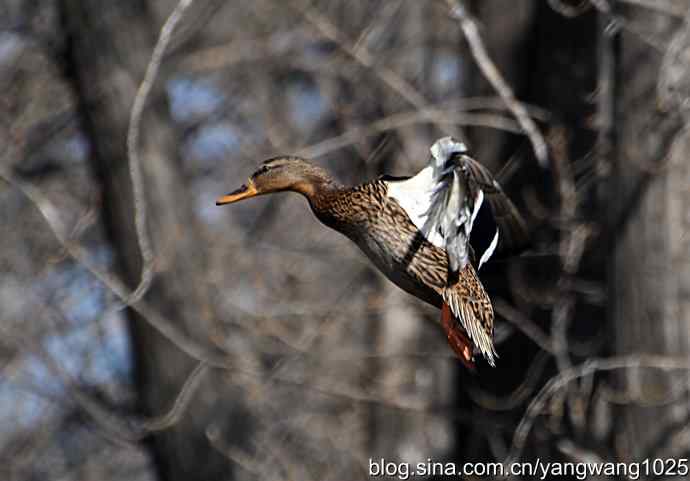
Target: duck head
281,174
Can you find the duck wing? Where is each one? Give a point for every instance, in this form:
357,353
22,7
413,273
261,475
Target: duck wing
458,206
468,209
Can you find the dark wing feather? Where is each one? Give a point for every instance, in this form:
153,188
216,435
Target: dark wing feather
513,234
451,202
461,188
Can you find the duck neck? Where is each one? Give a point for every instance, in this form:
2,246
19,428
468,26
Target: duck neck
320,189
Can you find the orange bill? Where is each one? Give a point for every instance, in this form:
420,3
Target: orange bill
245,192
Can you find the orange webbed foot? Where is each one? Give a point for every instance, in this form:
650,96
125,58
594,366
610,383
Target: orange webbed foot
457,340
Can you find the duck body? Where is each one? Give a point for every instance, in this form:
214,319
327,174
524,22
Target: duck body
428,234
387,236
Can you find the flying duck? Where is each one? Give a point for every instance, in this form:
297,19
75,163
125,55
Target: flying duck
429,233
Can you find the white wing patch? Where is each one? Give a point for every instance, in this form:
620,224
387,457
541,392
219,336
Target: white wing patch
414,196
477,205
437,202
489,250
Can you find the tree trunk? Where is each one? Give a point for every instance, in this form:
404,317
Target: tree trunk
110,44
650,282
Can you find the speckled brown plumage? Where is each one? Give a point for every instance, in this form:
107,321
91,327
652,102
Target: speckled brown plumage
382,229
377,223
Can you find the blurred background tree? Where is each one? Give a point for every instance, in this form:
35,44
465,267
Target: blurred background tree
274,348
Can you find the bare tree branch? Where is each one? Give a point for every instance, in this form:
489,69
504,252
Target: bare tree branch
490,71
147,255
558,382
362,56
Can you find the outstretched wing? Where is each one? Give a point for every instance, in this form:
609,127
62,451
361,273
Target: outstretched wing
468,208
458,206
497,213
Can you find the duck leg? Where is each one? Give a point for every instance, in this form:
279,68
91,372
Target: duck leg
458,341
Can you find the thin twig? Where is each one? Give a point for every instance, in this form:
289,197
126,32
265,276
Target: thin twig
524,324
396,121
181,402
571,247
659,6
568,10
189,346
617,22
51,216
458,113
364,58
117,427
490,71
562,379
234,454
519,395
147,256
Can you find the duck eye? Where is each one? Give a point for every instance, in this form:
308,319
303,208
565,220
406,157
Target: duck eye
262,170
